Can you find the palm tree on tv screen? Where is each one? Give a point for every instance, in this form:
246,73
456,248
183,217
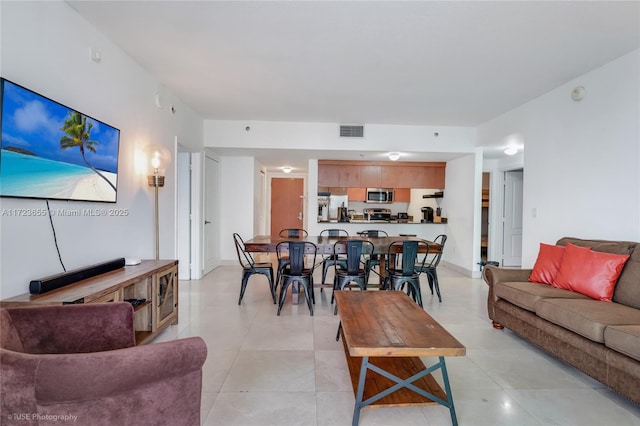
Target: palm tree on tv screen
78,133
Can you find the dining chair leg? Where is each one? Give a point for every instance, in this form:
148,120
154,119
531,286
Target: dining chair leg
283,295
272,286
243,287
433,278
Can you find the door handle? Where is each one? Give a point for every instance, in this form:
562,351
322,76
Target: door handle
206,222
300,216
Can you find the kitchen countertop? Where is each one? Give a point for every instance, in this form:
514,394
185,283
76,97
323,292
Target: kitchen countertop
382,221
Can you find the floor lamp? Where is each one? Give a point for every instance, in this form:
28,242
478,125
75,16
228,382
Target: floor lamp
158,158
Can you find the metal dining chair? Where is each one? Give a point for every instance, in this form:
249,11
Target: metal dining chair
354,270
333,258
407,254
374,259
430,265
250,267
288,233
296,270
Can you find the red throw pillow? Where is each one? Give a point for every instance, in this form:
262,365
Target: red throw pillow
591,273
547,264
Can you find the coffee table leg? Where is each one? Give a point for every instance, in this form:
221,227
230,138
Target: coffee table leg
447,389
360,393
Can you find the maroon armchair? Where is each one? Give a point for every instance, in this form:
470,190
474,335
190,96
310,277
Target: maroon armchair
81,361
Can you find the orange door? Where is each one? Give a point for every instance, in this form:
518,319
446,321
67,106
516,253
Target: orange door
286,203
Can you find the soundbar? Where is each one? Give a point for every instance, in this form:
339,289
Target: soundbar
53,282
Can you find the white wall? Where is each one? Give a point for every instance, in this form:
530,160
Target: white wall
461,207
325,136
581,159
237,191
45,47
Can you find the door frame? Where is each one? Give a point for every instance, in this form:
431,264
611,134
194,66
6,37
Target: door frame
213,156
496,207
267,197
183,211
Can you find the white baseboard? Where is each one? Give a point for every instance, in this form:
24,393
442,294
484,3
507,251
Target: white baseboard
463,271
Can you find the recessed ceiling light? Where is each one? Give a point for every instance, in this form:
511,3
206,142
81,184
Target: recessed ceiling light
394,156
511,150
287,169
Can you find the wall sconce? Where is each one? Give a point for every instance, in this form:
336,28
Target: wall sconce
394,156
287,169
157,158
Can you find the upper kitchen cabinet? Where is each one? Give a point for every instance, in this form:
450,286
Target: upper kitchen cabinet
329,175
379,174
370,176
398,177
333,174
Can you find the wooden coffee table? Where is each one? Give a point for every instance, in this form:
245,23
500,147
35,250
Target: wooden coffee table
384,333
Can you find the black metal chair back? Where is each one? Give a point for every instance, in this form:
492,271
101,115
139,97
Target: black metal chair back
331,259
429,268
293,233
334,233
408,255
354,268
374,259
298,269
244,257
375,233
435,259
250,267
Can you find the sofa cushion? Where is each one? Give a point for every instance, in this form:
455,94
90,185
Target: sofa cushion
624,338
547,264
627,289
526,294
587,317
591,273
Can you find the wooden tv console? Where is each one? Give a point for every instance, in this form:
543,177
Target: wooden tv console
155,281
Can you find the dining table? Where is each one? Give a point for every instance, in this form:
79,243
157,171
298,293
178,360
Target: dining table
325,246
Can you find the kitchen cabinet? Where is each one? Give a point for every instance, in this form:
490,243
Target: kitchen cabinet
357,194
397,177
329,175
370,176
378,174
338,175
402,195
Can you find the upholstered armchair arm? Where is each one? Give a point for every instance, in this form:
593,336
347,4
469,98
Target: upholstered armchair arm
493,274
91,327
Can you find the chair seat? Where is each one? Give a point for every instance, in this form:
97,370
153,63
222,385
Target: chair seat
260,265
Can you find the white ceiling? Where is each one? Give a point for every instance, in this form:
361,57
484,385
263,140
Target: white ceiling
444,63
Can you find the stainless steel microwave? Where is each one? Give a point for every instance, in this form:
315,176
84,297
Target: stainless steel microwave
379,195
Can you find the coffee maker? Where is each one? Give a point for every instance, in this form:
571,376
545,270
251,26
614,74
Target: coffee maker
427,215
342,214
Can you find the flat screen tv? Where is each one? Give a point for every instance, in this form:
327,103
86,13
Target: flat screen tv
54,152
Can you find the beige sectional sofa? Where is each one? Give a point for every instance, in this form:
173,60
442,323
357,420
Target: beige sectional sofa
602,339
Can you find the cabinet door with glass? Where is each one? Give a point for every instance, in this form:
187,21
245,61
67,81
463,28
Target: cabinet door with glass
166,297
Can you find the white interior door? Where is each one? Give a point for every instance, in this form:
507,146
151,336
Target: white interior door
183,216
211,214
512,235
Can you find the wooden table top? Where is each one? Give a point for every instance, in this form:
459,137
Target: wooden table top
268,243
390,324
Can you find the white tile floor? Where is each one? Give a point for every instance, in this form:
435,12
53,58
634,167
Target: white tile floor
289,370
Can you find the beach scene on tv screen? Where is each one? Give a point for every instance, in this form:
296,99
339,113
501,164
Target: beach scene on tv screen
51,151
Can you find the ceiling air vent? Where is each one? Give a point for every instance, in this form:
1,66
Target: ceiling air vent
351,131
